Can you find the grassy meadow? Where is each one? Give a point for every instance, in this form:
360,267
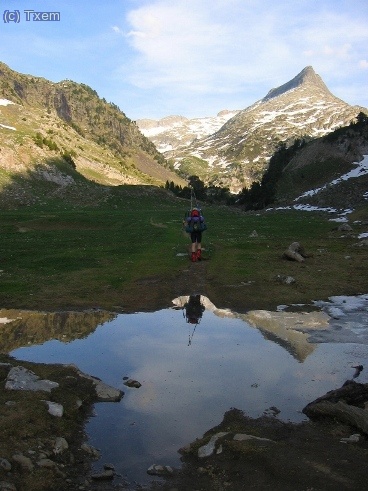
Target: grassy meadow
128,253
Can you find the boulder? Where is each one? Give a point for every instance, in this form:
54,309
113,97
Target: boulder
24,462
104,392
160,470
132,383
346,404
105,475
295,252
20,378
344,227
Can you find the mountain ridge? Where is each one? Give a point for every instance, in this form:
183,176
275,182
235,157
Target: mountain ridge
46,121
179,131
237,153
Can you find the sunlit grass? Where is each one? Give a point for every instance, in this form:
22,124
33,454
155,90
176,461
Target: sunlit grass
57,257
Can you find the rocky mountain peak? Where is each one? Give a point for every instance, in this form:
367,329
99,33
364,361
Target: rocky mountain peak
307,78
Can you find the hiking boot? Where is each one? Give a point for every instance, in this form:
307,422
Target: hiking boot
194,257
199,255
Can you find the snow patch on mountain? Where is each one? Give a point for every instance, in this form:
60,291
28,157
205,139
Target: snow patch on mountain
360,170
172,132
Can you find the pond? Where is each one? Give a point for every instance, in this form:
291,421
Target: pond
194,362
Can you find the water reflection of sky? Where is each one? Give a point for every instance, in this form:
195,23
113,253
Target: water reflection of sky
187,388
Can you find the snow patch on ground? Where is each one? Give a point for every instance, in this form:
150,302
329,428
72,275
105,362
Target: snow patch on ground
8,127
5,102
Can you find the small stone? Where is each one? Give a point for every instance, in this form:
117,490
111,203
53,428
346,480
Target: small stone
345,227
132,383
103,476
285,280
7,486
60,445
55,409
24,462
5,465
160,470
185,449
272,411
91,450
48,463
351,439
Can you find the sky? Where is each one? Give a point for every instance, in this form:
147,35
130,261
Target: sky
193,58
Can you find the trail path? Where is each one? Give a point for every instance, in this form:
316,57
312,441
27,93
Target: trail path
193,279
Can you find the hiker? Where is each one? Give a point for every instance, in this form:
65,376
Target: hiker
193,313
194,309
195,225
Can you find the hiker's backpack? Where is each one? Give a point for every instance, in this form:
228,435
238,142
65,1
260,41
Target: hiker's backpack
195,221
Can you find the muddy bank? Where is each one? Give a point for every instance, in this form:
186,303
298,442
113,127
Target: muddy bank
43,409
266,453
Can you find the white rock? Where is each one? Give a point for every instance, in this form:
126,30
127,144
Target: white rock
209,448
19,378
55,409
351,439
60,445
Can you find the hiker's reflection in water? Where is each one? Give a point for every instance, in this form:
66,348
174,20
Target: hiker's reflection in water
193,311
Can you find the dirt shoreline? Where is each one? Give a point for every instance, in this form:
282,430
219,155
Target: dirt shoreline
281,456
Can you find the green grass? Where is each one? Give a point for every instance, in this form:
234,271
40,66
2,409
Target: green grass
124,254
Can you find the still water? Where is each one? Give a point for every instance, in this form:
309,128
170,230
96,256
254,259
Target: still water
191,371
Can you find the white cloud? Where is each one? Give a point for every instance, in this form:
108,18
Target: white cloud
117,30
199,48
196,57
